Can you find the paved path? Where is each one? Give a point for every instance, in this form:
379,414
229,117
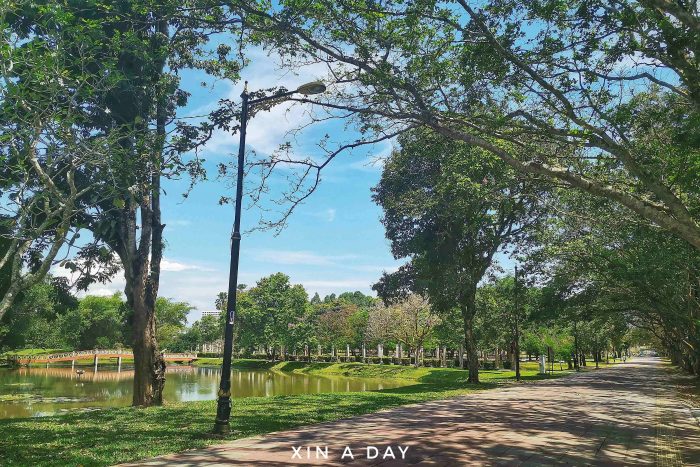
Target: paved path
624,415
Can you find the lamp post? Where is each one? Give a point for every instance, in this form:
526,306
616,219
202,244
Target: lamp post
516,346
223,409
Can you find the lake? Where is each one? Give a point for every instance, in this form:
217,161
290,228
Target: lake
37,392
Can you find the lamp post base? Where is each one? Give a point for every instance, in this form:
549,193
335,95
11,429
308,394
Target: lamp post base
223,414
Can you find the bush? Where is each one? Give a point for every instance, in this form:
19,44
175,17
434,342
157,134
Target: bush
380,360
431,362
209,355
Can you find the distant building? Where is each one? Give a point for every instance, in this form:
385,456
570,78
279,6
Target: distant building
216,313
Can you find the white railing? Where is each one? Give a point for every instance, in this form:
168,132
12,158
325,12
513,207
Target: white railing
98,352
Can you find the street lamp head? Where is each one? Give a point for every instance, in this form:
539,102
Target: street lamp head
314,87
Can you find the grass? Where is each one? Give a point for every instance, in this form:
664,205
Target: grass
126,434
434,376
239,364
120,435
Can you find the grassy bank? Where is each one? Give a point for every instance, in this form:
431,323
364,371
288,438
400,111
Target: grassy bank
239,364
437,376
119,435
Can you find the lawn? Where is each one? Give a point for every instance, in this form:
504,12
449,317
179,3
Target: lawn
118,435
238,364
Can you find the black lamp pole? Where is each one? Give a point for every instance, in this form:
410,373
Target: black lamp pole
517,326
223,409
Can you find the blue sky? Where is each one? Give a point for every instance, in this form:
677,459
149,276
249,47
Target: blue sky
333,243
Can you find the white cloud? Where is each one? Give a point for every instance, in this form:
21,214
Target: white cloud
105,290
178,223
298,257
176,266
374,268
268,129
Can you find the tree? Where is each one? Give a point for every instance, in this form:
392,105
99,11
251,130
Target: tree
141,47
358,322
381,323
42,150
607,271
409,321
189,340
171,320
103,322
280,306
601,97
449,207
494,319
415,321
334,322
210,329
357,298
37,316
359,318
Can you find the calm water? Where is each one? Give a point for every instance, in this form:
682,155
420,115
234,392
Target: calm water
36,392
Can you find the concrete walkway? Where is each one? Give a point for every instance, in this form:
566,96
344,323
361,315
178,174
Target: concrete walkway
625,415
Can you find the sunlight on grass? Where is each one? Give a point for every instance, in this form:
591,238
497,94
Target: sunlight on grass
126,434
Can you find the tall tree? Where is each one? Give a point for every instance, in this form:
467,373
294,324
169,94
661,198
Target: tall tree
140,47
281,306
608,268
449,207
103,322
43,147
600,96
334,323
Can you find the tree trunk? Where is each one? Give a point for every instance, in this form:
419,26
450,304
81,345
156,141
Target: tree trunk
149,366
141,260
468,311
470,348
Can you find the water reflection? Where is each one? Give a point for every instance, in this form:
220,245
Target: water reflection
31,392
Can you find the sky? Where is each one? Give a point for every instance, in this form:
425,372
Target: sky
333,243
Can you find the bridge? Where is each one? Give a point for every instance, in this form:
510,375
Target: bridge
95,355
